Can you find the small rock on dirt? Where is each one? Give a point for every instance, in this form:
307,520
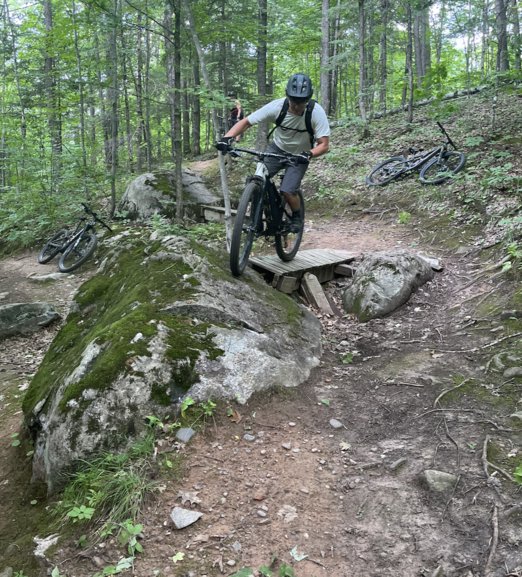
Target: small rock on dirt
184,517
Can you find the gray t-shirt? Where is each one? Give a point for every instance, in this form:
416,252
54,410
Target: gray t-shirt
285,138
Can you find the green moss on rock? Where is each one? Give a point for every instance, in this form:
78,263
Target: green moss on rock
120,312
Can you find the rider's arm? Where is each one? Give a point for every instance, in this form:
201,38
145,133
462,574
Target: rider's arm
238,128
321,147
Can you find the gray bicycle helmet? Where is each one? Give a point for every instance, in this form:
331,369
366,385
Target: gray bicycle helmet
299,87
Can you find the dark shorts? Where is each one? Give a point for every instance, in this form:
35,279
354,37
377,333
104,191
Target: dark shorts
293,174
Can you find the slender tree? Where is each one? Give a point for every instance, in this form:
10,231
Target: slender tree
325,55
502,40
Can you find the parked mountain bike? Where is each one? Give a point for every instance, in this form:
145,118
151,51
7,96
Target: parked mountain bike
436,165
75,245
263,213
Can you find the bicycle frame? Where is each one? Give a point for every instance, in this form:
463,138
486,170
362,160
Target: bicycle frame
270,202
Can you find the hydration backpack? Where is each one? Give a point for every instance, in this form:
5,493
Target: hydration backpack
308,120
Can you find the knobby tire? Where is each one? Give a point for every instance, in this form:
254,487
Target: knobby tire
441,169
53,246
244,231
286,242
78,252
386,171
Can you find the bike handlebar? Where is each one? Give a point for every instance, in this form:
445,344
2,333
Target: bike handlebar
88,210
261,155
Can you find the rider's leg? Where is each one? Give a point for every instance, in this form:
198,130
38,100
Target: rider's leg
289,187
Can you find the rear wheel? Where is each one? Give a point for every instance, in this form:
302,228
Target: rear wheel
287,241
386,171
440,169
248,217
53,246
78,252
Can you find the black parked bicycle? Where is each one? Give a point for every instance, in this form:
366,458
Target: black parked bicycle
436,165
263,213
76,245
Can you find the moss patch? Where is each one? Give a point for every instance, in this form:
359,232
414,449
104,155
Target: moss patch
120,312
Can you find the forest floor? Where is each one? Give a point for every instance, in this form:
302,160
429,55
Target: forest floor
301,492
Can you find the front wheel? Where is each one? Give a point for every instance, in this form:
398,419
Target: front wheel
386,171
53,246
288,237
78,252
248,218
440,169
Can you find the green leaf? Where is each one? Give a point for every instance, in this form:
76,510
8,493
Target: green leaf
245,572
179,556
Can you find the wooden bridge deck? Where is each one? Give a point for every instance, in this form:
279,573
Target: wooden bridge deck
320,262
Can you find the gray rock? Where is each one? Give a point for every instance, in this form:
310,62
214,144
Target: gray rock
47,277
383,282
25,318
335,424
512,372
439,481
185,434
204,334
7,572
155,193
184,517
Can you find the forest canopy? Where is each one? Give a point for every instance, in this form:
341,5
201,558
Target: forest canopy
94,92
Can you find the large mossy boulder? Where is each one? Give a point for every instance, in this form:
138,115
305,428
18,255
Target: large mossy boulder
161,319
155,193
384,281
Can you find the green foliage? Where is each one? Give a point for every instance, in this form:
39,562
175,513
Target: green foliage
129,537
123,564
185,404
110,487
206,232
81,513
404,217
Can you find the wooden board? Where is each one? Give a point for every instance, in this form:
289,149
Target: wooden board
320,262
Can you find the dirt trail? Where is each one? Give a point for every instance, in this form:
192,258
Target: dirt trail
282,482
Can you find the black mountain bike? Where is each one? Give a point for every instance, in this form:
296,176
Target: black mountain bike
436,165
263,213
75,245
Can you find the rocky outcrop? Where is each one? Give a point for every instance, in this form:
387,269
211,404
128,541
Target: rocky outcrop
155,193
161,320
384,281
25,318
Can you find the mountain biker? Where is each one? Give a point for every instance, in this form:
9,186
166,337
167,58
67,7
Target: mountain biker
291,136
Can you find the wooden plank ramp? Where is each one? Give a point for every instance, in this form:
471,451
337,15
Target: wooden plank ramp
305,273
318,260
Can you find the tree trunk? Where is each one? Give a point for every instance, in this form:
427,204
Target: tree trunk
422,44
484,60
383,56
262,36
325,56
186,118
125,88
409,62
501,29
206,79
516,43
196,115
362,67
81,91
178,154
53,108
334,99
112,97
140,131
